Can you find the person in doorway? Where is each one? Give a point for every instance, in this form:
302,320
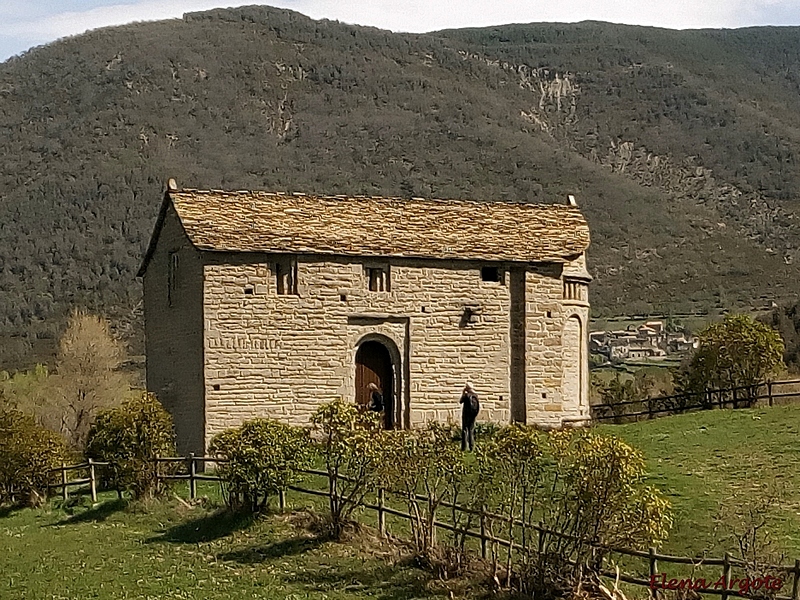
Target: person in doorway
470,407
375,398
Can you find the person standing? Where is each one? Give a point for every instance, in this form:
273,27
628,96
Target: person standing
470,407
375,398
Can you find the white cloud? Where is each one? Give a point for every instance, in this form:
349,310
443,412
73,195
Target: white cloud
24,24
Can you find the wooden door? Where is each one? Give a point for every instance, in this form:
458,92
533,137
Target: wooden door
374,365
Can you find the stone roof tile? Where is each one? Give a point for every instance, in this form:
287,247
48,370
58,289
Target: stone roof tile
248,221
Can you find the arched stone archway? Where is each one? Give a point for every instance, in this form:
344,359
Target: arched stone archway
377,361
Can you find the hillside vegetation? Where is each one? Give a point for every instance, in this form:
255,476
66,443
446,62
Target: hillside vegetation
680,147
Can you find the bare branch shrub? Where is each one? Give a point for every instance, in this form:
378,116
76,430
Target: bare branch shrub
426,470
351,448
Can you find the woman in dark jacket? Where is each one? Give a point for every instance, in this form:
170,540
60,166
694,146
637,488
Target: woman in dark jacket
469,412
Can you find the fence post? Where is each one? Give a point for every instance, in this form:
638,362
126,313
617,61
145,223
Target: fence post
653,573
796,583
282,499
381,514
769,392
192,476
735,400
726,574
92,481
483,531
64,490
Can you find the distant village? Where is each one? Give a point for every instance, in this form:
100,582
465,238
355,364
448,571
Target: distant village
649,341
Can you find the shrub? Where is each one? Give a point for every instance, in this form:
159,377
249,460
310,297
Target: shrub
510,468
426,461
131,437
264,457
597,497
351,448
27,453
483,430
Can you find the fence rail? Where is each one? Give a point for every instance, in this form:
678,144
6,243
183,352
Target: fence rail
772,392
652,557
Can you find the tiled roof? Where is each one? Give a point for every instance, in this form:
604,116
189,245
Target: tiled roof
368,226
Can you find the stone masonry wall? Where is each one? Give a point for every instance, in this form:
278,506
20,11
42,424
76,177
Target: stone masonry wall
557,365
281,356
174,334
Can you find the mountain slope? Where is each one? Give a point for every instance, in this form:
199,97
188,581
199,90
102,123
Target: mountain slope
680,146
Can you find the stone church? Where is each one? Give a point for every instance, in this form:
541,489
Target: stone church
263,304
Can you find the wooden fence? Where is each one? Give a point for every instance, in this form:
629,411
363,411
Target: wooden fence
771,393
382,509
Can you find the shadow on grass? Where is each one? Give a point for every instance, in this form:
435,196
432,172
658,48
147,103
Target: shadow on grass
206,529
96,514
384,581
7,511
259,554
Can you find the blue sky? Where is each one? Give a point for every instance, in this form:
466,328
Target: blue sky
28,23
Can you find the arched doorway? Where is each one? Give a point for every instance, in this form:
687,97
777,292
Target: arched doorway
374,365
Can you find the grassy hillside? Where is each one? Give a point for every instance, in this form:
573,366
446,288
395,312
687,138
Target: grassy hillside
680,146
711,462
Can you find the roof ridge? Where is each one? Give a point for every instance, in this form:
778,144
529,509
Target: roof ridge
311,195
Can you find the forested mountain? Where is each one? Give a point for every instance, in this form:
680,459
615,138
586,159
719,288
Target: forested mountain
681,146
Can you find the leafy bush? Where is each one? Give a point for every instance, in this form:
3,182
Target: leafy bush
616,393
597,497
27,452
351,442
264,457
483,430
426,461
131,437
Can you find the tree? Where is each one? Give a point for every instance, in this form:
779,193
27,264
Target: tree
87,378
737,352
786,320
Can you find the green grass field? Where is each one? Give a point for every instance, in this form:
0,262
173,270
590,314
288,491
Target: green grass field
166,550
708,463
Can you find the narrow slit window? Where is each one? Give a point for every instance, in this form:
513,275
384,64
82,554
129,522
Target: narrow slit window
286,277
172,276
